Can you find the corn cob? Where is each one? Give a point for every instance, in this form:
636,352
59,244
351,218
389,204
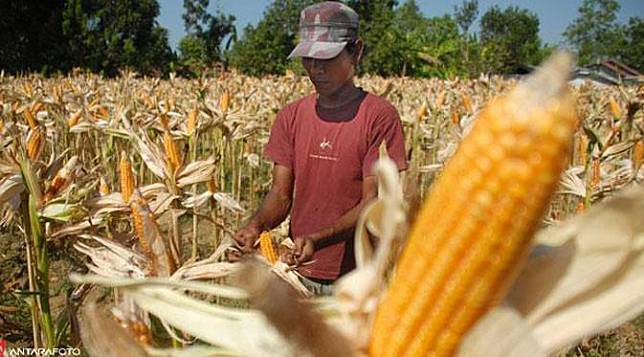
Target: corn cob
440,100
595,175
160,262
582,148
192,121
73,120
475,227
422,112
35,142
171,152
224,102
266,247
638,154
63,177
103,188
29,117
165,122
467,104
127,178
614,108
212,184
455,118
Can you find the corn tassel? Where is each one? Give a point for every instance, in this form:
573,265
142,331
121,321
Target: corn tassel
488,200
127,178
266,247
160,262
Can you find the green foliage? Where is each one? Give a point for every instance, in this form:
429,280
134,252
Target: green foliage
31,37
632,50
466,13
110,35
202,46
264,48
596,34
511,38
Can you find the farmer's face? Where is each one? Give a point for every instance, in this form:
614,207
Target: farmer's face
331,74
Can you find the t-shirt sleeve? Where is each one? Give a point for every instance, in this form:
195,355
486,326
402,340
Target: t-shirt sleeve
387,126
279,148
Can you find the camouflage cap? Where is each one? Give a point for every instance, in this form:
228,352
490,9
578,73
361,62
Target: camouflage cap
325,29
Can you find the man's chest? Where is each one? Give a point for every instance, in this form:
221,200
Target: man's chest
329,146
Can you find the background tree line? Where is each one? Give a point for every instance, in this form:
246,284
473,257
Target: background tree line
109,35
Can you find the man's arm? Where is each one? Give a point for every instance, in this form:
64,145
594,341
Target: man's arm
273,210
305,246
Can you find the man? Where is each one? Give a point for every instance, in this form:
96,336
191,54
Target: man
324,147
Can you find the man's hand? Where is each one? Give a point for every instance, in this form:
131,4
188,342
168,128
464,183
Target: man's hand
304,249
246,238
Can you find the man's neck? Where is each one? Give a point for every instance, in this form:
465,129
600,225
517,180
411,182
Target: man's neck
342,96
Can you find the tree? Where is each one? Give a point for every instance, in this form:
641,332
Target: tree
106,35
376,20
512,37
205,33
595,34
466,14
31,38
264,48
632,50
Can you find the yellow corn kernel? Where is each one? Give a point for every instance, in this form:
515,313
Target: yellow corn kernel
35,142
29,117
266,247
469,240
615,110
160,262
127,178
171,152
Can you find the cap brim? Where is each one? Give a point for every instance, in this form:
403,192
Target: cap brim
317,49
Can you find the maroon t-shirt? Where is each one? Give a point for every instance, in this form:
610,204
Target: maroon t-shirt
329,159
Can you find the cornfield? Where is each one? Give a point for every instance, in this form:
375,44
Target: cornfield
137,179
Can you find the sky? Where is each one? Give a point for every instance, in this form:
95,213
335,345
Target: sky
554,15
